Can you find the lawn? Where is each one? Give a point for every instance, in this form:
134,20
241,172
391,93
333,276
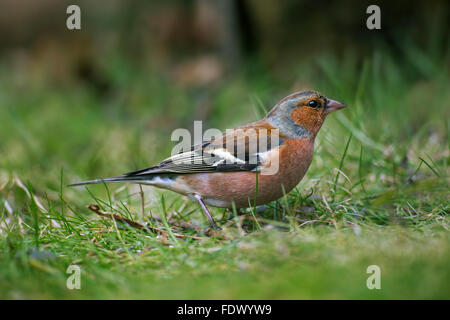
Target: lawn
377,192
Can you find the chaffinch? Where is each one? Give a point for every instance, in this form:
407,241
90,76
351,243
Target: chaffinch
251,165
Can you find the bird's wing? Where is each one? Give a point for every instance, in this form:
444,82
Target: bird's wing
240,149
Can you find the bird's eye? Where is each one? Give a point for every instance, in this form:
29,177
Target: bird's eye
313,104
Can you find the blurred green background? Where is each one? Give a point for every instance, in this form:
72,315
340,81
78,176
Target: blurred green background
103,100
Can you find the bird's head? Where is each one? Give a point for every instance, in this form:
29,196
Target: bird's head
302,113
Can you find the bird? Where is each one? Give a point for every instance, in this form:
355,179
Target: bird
251,165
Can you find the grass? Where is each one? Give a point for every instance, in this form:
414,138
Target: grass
376,192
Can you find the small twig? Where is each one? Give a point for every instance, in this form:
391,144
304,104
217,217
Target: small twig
95,208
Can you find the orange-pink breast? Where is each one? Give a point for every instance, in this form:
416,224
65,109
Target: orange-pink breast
221,189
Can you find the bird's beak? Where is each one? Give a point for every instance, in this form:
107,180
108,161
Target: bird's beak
333,105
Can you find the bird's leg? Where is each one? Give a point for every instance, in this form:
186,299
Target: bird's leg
207,213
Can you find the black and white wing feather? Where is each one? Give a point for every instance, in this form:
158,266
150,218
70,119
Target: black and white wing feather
235,151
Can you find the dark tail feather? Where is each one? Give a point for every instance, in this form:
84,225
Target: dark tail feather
108,180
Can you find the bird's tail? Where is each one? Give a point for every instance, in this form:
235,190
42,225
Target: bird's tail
109,180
